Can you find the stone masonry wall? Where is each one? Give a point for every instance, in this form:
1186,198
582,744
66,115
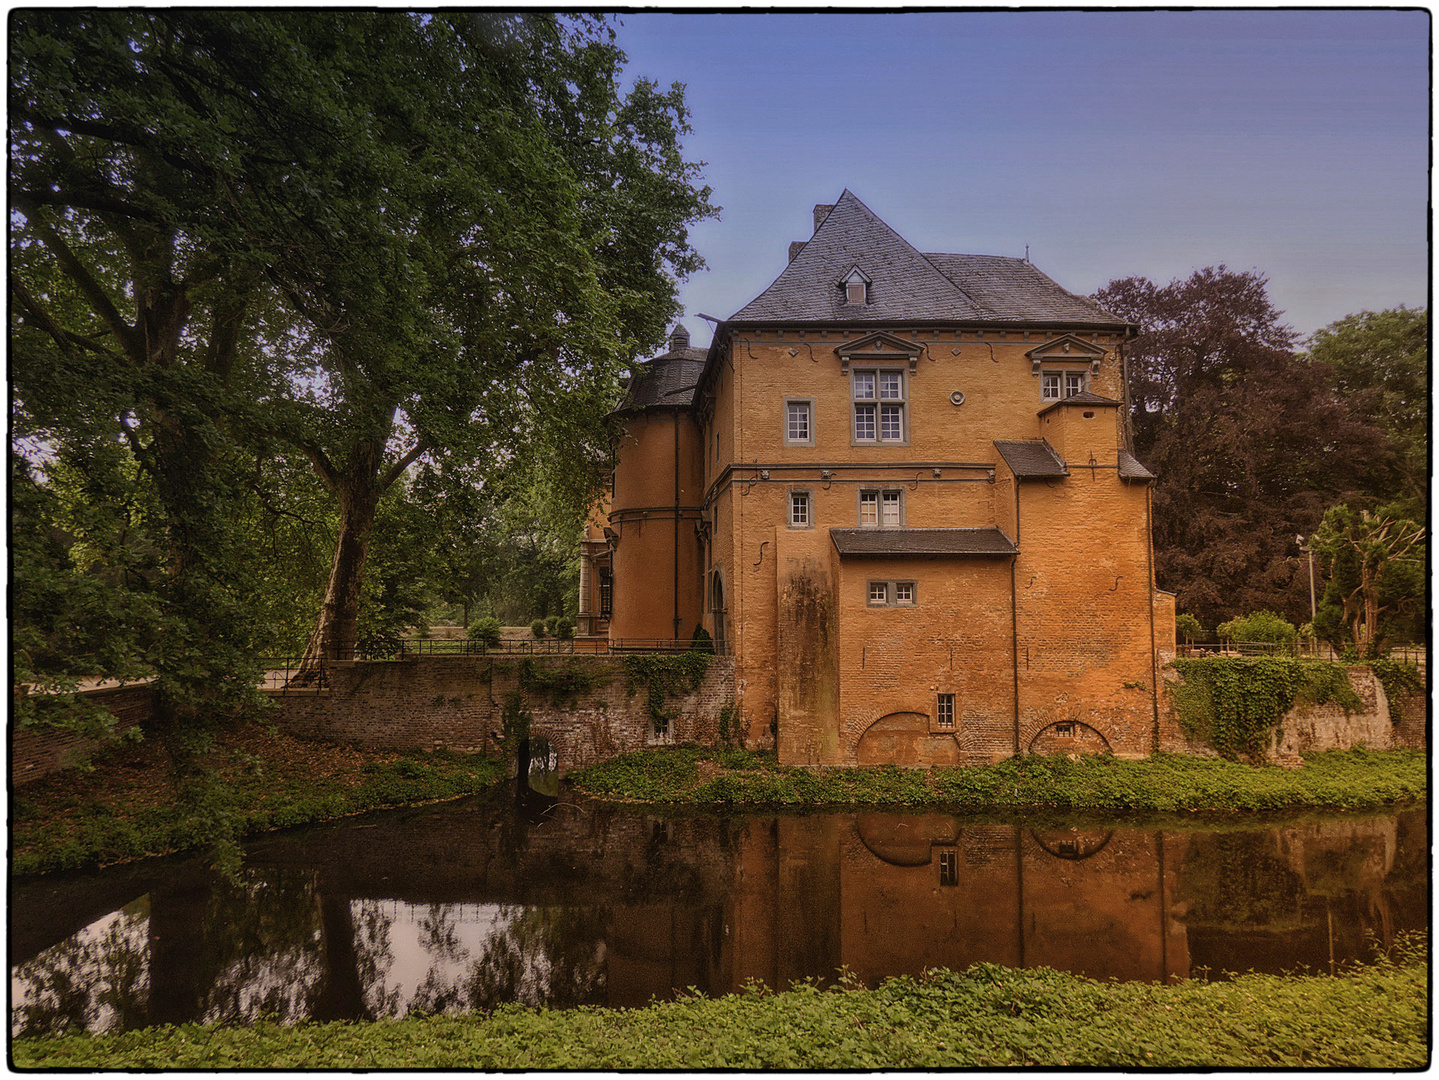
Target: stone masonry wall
457,702
1312,729
38,751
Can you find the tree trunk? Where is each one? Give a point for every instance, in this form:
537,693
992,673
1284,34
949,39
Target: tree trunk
336,632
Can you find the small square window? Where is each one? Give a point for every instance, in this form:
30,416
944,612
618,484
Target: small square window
797,422
1064,729
1058,385
904,592
878,593
854,292
944,712
1073,383
799,510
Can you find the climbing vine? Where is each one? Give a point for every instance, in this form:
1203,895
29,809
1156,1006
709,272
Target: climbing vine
561,682
664,675
1398,677
1233,702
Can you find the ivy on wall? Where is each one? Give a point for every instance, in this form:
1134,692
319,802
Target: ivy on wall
561,682
664,675
1234,702
1398,677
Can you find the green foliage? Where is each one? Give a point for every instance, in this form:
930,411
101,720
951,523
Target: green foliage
537,629
561,682
1398,677
1375,1016
729,734
565,628
700,640
1380,363
1166,782
665,675
1187,627
1258,626
1376,567
1234,702
552,623
485,632
216,808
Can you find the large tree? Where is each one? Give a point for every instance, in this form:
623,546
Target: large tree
1251,441
1375,562
1380,363
374,237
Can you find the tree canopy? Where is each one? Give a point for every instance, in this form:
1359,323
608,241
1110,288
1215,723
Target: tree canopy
1251,441
268,248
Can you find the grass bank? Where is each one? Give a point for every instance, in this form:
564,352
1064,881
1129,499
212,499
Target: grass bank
1347,780
1375,1017
131,804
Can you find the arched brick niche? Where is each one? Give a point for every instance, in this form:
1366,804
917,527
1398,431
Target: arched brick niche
904,738
1069,737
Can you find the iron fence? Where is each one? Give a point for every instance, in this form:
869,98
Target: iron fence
1318,649
280,674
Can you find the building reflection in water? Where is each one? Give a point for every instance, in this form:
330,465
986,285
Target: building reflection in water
467,906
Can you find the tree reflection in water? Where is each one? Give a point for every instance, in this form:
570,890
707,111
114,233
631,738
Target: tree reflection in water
96,981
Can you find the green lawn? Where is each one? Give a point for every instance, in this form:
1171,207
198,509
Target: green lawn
1375,1017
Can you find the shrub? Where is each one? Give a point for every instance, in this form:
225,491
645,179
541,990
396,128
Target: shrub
1258,626
565,628
700,641
552,623
485,632
537,628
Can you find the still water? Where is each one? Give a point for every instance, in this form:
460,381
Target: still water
470,904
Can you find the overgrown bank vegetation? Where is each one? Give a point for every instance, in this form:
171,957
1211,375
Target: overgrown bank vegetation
1349,779
1374,1017
134,803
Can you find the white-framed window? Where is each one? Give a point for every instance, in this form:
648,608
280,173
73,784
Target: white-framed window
880,508
798,422
879,405
1058,385
892,594
944,712
801,510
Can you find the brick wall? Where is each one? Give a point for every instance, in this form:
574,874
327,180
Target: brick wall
457,702
38,751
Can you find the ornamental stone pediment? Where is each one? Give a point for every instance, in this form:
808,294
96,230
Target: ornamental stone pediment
879,345
1067,349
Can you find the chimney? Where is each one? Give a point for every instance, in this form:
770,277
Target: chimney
679,338
795,247
821,211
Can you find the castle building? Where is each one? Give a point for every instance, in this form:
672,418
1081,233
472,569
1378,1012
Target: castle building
897,490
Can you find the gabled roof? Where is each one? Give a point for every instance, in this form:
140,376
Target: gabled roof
1030,459
905,286
927,542
909,286
667,380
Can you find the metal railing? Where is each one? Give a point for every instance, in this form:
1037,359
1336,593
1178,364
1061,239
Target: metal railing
1414,654
280,674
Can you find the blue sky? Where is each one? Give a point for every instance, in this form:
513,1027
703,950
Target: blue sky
1112,143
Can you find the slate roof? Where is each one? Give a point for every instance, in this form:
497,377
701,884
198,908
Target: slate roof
667,380
1131,469
1084,397
1030,459
908,285
989,541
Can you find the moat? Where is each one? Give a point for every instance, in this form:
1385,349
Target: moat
471,904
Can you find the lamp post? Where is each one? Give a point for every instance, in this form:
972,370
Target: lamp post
1313,607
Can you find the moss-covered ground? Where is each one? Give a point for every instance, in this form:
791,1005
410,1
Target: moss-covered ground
1374,1017
133,802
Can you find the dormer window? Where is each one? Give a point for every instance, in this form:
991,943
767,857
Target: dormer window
856,287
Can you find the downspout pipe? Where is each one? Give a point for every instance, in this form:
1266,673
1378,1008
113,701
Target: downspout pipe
676,583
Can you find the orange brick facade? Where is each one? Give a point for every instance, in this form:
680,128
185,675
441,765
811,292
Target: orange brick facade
910,517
